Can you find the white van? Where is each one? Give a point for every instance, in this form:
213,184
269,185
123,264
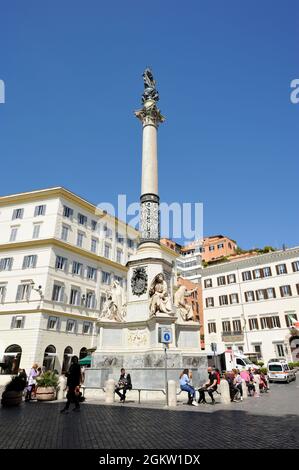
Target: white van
279,371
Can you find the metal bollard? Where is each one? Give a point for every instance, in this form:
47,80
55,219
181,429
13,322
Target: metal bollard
109,389
172,397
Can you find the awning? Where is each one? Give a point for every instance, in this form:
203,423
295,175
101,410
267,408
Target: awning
86,361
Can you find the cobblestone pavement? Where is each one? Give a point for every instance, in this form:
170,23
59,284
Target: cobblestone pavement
271,421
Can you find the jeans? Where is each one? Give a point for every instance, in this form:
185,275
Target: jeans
122,396
190,390
202,394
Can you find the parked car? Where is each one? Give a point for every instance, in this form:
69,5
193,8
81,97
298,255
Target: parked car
279,371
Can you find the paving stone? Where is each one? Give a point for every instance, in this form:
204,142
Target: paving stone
267,422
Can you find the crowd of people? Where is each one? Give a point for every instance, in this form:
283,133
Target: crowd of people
256,383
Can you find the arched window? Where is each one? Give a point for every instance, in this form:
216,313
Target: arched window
83,353
11,359
67,355
49,357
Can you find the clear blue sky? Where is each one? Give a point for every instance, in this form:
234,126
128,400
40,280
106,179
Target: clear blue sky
73,69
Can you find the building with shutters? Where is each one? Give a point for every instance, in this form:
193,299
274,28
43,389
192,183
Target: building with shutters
58,255
252,304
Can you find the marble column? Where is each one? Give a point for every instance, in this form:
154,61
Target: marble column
150,117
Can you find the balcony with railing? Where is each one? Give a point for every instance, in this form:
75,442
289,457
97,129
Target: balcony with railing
232,336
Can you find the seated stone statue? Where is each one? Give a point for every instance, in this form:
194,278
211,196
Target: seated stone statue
160,301
114,307
181,303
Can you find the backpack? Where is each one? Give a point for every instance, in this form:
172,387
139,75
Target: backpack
218,378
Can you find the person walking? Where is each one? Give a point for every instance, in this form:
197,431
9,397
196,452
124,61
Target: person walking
74,380
185,386
238,384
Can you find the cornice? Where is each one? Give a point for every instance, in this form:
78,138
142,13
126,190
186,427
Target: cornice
259,260
65,246
57,313
66,194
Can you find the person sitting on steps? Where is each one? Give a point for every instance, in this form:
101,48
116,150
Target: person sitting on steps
210,386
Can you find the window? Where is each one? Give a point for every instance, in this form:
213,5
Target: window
87,327
226,327
290,317
253,324
102,301
53,323
246,276
36,230
260,294
270,293
93,225
211,248
17,214
82,219
64,233
285,291
39,210
223,300
281,269
130,243
91,273
18,322
107,250
221,281
94,245
75,296
61,263
68,212
295,266
208,283
220,246
57,294
6,264
279,349
119,256
212,327
71,326
106,277
107,231
23,292
231,278
119,238
80,236
13,234
249,296
77,268
2,293
118,279
234,298
267,272
257,273
270,322
210,302
90,300
258,350
29,262
237,326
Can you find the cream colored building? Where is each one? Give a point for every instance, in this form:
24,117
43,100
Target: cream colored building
58,255
249,304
